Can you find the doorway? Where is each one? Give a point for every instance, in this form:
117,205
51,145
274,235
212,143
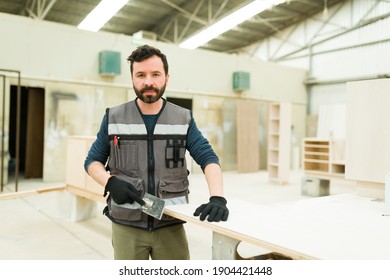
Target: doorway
183,102
32,108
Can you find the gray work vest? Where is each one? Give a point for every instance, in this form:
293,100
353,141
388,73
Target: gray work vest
153,163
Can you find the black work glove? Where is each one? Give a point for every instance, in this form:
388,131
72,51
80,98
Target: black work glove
216,210
122,191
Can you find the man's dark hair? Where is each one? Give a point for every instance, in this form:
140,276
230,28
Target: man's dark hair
145,52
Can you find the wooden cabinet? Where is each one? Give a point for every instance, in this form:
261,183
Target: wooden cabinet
279,142
323,158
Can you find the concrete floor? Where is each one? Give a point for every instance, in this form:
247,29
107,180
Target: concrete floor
38,226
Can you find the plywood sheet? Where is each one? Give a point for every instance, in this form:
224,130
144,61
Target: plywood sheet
367,147
247,136
75,157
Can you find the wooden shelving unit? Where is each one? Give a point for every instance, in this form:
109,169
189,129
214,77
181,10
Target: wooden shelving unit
279,142
323,157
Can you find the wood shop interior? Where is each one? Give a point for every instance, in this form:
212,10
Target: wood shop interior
294,101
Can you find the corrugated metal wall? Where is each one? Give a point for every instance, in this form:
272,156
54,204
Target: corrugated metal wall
351,42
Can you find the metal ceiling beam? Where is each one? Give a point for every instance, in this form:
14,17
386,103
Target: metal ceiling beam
310,41
185,13
175,24
309,3
184,32
218,12
284,41
325,23
47,8
271,19
166,29
244,30
360,24
285,11
39,8
259,19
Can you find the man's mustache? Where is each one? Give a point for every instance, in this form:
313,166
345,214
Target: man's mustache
149,88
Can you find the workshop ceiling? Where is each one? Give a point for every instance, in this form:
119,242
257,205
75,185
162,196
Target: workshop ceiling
174,20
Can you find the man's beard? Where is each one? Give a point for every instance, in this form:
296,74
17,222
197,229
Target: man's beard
150,99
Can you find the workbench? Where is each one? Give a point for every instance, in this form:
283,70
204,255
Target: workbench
328,227
337,227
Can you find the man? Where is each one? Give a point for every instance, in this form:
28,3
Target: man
143,143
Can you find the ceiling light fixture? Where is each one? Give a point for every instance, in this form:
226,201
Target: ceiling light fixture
229,22
102,13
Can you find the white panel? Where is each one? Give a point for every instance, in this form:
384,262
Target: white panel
331,121
368,131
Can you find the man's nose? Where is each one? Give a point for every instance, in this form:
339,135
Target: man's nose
148,81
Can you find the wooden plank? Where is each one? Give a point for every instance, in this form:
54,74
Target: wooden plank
30,192
325,175
85,193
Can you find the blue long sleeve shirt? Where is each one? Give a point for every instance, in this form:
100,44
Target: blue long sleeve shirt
198,146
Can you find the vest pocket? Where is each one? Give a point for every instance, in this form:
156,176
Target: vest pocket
127,211
126,155
173,192
175,153
173,189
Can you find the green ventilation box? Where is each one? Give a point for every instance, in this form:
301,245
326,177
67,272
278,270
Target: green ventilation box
109,63
241,81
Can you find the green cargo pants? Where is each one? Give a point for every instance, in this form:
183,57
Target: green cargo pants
168,243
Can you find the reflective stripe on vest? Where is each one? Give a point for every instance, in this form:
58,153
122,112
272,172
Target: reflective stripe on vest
139,129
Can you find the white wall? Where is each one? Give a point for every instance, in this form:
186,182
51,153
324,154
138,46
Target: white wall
61,57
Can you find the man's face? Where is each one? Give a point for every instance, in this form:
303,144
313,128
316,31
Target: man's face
149,80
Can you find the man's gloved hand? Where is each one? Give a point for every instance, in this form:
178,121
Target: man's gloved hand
216,210
122,192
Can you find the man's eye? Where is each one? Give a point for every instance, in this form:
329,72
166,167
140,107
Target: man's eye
140,76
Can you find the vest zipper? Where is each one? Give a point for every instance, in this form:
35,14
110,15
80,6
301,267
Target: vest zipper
151,182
